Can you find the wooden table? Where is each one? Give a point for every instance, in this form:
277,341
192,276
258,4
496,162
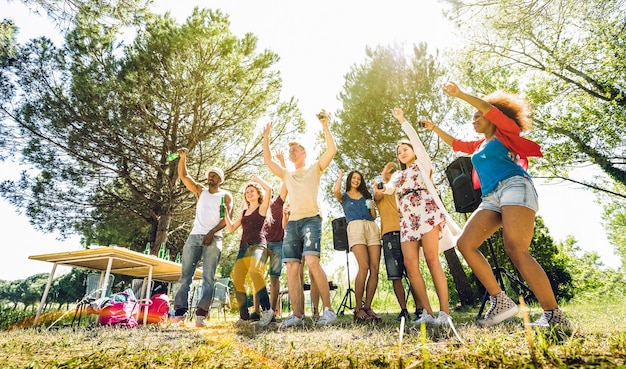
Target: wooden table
117,260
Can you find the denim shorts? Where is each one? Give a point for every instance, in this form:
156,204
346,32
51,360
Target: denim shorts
394,260
276,257
515,190
302,237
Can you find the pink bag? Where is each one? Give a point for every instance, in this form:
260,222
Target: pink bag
158,309
122,309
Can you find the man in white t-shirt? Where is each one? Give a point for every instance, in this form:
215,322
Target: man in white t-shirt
304,228
204,241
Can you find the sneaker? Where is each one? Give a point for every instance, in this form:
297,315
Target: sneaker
418,313
254,317
291,321
200,321
425,318
443,319
328,316
266,317
403,313
502,307
552,319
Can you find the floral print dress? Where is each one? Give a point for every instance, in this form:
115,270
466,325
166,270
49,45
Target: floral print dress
418,210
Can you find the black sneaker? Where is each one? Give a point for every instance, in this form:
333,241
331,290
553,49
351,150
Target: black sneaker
254,317
418,313
404,313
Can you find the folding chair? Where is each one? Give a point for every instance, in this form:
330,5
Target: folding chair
221,296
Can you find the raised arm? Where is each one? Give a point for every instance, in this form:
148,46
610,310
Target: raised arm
233,225
267,154
453,90
331,148
419,149
337,187
188,180
268,194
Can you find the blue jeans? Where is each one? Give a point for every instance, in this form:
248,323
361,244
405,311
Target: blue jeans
275,249
193,251
252,262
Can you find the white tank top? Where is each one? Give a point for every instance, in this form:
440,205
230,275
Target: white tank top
207,212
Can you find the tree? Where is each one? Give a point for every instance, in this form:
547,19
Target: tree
614,220
568,58
97,120
367,134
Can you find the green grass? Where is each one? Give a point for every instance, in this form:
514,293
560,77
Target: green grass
598,340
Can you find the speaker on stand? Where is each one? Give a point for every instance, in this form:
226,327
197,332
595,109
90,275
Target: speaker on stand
467,197
340,243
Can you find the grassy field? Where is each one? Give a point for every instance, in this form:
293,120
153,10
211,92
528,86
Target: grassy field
598,341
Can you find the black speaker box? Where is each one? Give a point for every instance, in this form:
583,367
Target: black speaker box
340,234
466,197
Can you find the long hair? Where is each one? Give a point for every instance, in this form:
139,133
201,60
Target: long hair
514,106
259,189
362,186
400,143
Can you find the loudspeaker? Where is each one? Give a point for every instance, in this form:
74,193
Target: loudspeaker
340,234
466,194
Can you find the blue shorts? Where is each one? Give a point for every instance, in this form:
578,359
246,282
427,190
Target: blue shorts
275,249
515,190
302,237
394,260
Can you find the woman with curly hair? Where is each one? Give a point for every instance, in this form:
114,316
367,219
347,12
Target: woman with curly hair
509,201
252,256
363,239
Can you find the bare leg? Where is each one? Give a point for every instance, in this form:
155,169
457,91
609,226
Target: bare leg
321,281
372,280
430,245
412,266
294,284
518,224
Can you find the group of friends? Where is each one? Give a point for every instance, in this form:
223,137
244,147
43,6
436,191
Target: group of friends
413,223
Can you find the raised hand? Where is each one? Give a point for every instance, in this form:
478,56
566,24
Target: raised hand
451,89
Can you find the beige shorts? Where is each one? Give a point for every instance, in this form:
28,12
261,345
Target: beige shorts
363,232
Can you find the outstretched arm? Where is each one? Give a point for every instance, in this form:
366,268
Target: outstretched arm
337,186
268,194
233,225
331,148
452,89
267,154
188,180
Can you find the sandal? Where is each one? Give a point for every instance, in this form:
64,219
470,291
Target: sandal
360,315
372,315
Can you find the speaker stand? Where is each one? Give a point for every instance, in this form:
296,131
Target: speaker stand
346,302
498,271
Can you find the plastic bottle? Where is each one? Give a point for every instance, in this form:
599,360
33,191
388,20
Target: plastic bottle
147,249
222,208
173,156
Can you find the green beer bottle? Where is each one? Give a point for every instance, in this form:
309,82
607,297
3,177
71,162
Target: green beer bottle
222,208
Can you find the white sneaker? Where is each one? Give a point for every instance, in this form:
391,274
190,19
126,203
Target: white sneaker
502,307
443,319
200,321
328,316
291,321
425,318
266,317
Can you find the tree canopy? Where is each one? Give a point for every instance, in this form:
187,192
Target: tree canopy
568,57
95,120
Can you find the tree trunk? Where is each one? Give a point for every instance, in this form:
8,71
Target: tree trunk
163,227
463,286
